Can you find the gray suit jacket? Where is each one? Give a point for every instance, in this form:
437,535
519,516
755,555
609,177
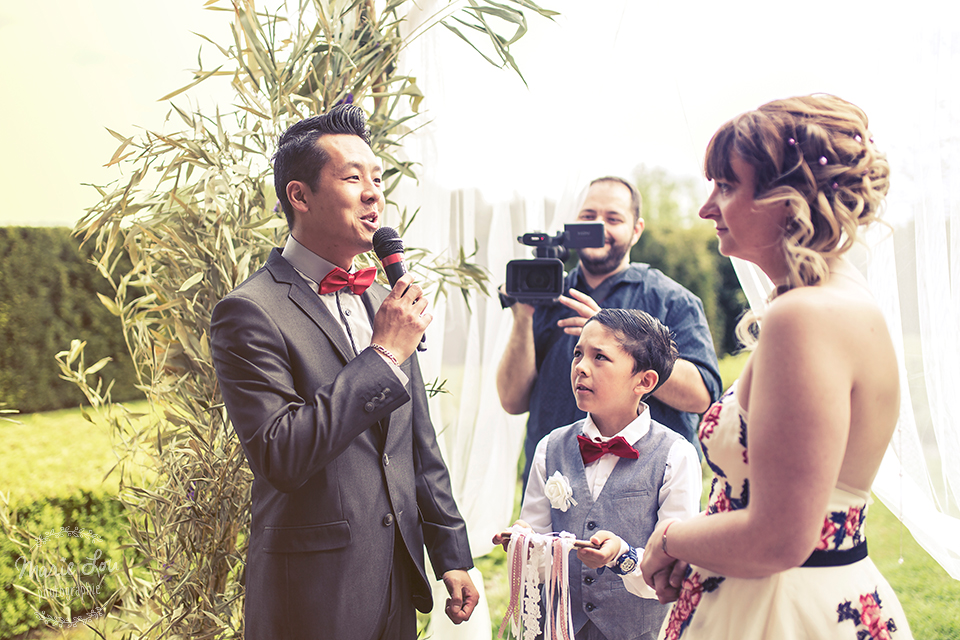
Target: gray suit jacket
342,455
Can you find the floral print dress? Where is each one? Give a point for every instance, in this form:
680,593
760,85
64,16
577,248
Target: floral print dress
838,593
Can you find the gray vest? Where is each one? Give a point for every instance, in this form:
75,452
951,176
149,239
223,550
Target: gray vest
627,506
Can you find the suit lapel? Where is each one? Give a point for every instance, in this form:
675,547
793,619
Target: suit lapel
372,299
309,302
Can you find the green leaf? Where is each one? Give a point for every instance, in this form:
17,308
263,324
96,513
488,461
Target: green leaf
99,364
192,280
111,305
200,78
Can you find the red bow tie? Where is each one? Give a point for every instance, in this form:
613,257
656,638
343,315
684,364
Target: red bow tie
590,450
338,279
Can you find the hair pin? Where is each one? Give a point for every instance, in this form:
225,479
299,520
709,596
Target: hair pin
823,160
858,138
791,142
835,186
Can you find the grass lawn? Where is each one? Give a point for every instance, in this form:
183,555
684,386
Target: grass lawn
49,452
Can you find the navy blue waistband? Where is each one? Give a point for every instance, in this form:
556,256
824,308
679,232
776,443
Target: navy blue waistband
837,558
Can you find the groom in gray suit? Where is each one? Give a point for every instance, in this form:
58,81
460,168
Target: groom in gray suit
319,375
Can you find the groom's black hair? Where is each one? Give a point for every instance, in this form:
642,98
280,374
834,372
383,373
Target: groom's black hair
298,155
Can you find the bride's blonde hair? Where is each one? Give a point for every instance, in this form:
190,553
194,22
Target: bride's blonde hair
815,156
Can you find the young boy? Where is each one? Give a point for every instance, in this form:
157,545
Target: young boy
626,473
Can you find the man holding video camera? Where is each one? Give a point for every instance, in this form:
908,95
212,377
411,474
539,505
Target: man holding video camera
534,372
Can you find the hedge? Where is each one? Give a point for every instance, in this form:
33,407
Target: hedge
48,297
83,527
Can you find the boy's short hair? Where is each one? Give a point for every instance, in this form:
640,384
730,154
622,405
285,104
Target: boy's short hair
642,336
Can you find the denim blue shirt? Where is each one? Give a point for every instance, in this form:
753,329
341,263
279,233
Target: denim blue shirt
552,403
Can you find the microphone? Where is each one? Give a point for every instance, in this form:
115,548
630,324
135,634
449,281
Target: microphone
389,249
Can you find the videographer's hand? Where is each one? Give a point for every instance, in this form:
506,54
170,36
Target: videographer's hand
520,309
402,319
583,305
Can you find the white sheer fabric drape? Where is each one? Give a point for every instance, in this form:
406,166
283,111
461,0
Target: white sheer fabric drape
915,272
916,275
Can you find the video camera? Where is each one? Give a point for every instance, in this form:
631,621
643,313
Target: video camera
539,280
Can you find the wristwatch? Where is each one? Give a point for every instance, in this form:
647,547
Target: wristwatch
626,563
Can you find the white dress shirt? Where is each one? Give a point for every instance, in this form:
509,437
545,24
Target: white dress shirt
679,495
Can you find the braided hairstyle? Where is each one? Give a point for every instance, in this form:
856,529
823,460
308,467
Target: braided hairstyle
814,155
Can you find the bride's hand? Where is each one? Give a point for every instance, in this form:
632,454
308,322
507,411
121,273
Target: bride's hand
667,582
655,559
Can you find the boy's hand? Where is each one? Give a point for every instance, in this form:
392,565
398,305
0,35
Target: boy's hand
584,305
609,545
503,538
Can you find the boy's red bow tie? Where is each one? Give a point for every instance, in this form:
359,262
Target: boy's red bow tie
618,446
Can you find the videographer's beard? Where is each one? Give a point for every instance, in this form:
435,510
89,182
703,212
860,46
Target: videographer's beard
607,264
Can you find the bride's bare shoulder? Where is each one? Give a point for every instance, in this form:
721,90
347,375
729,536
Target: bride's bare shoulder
842,314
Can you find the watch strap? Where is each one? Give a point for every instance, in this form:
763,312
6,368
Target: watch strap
626,563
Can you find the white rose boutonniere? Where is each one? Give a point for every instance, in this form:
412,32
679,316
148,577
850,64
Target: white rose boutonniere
559,492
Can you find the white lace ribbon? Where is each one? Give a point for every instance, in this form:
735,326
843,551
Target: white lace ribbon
533,558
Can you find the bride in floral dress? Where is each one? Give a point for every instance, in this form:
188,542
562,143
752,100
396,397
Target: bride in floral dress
781,552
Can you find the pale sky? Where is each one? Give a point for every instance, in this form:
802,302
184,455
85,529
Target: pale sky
612,84
71,70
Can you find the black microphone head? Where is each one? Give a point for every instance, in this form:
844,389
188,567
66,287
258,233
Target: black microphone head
387,242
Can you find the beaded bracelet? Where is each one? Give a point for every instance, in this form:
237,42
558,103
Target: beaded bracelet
663,539
380,349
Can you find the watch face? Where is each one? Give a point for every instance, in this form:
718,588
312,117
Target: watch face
628,564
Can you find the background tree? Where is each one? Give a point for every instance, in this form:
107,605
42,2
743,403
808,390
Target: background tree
195,215
681,245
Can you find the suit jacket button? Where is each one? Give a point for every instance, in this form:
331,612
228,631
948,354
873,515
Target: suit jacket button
589,580
388,520
590,606
591,525
369,407
386,460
